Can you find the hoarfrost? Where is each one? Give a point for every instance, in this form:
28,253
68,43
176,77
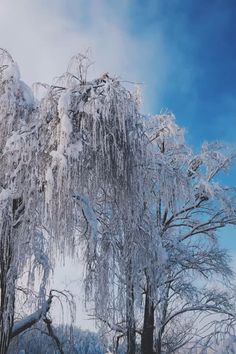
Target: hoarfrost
82,166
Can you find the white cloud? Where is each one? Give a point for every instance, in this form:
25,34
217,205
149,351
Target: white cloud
42,36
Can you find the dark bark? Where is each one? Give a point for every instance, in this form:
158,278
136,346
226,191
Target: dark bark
29,321
7,284
8,271
158,344
131,339
148,323
130,319
52,334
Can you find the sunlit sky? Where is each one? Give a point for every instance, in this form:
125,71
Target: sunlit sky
183,51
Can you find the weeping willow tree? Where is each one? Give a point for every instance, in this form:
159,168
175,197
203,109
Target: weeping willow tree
60,156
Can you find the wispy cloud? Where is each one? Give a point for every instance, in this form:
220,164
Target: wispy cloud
42,36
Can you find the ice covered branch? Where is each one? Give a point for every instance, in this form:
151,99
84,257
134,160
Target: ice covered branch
24,324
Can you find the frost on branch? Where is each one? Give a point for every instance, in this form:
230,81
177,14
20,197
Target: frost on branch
228,347
17,147
81,166
80,139
90,141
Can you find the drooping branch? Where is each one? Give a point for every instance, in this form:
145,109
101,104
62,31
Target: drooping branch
52,334
24,324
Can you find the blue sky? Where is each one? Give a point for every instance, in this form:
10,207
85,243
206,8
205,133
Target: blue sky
201,36
183,50
198,40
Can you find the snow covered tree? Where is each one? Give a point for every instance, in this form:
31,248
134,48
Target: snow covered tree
81,166
179,210
17,147
181,310
58,155
186,211
37,340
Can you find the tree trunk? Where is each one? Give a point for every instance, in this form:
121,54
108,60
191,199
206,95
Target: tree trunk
8,270
131,341
130,319
148,324
7,286
158,344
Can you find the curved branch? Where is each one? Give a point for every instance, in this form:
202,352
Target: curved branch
27,322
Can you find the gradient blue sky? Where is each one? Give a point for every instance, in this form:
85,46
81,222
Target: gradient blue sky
199,38
183,50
